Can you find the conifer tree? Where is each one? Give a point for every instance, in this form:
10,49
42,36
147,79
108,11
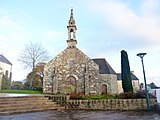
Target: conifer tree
125,73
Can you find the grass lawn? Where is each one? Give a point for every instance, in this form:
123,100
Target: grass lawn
93,97
21,91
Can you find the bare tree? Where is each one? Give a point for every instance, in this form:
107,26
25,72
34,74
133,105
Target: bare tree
31,55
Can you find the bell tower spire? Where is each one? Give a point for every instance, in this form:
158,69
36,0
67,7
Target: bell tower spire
71,31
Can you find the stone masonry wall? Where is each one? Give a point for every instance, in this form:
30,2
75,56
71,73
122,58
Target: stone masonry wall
110,104
111,81
71,62
107,104
135,84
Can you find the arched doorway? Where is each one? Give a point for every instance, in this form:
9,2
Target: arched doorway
104,89
71,84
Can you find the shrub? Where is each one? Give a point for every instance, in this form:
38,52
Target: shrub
73,96
78,96
131,95
38,88
92,97
127,95
142,94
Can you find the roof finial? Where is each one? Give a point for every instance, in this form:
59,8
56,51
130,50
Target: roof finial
71,12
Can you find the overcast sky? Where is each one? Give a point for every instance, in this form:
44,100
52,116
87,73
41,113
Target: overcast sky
104,28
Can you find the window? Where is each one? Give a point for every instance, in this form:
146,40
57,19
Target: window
71,31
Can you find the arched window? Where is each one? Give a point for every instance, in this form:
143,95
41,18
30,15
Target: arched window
71,34
71,80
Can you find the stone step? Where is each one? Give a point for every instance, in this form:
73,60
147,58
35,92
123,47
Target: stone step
12,105
26,107
9,112
26,104
31,109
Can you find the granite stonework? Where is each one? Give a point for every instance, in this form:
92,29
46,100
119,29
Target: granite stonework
105,104
110,80
73,71
111,104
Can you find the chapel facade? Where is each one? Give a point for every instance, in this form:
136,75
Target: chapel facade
72,71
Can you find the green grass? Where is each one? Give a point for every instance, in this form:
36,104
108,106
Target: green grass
100,97
96,97
21,91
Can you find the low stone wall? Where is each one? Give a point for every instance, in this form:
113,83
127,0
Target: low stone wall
107,104
59,99
110,104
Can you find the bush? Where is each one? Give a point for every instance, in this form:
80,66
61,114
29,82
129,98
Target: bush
79,96
127,95
73,96
38,88
131,95
92,97
142,94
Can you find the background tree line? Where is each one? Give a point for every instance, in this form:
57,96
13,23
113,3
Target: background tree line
37,82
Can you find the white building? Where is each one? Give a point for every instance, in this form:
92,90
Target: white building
155,92
5,69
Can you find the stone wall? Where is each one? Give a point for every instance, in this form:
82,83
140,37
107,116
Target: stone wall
110,104
135,84
107,104
59,99
71,63
111,81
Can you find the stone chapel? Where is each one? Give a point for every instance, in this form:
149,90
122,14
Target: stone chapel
72,71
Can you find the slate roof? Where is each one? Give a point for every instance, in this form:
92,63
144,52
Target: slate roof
120,78
4,60
104,67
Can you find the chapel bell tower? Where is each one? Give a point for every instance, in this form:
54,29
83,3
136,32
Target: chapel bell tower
71,32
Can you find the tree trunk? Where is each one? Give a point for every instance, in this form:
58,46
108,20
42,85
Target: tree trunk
32,79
